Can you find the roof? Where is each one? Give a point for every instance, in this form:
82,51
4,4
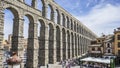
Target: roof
99,60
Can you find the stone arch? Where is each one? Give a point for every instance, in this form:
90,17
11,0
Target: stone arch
30,47
30,25
63,20
51,43
68,23
80,29
76,45
64,43
74,26
50,14
84,44
15,13
58,48
42,42
58,16
81,45
68,41
77,28
30,17
71,24
72,44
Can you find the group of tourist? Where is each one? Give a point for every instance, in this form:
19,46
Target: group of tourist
68,63
13,61
95,65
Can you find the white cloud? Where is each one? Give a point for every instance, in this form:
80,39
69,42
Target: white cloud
100,16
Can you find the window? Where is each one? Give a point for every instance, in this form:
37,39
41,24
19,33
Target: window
118,37
108,50
118,44
99,49
93,42
98,40
118,52
93,49
108,44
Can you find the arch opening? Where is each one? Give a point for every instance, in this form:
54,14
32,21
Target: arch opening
64,43
58,51
11,20
68,39
41,40
28,2
72,39
39,5
63,20
50,12
51,44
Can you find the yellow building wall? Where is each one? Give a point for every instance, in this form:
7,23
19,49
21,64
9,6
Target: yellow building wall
116,42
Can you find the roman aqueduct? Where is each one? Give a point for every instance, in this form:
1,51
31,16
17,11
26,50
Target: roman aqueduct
62,36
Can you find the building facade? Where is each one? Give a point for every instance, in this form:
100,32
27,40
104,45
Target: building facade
109,46
117,45
96,47
62,36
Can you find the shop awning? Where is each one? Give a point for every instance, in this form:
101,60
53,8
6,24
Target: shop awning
99,60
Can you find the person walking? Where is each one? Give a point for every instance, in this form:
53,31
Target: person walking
14,61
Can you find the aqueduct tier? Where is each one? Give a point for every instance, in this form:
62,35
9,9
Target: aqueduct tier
62,36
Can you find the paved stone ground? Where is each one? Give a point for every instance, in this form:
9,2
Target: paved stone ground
59,66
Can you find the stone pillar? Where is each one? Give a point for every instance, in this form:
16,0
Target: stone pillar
1,34
76,46
32,48
65,21
17,37
54,42
69,23
80,45
70,46
61,46
43,46
73,47
44,10
52,15
51,45
34,4
66,46
59,19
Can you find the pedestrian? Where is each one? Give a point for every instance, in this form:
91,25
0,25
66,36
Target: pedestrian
47,65
14,61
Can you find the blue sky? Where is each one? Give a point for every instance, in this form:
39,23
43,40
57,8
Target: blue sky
101,16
